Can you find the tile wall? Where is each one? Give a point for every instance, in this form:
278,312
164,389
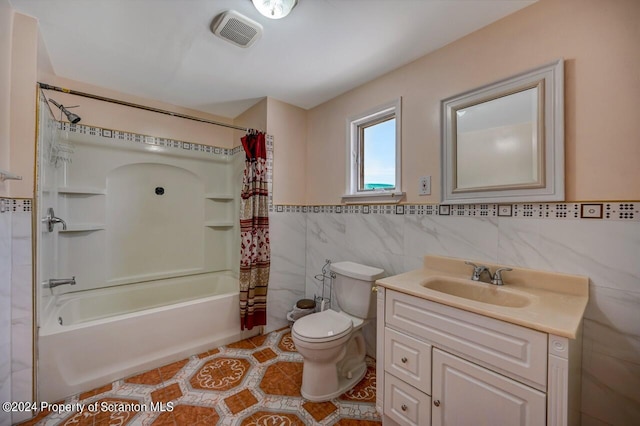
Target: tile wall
288,259
5,311
16,324
554,237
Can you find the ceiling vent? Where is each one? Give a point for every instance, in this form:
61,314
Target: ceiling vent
236,28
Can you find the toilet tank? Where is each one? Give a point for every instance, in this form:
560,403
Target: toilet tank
352,286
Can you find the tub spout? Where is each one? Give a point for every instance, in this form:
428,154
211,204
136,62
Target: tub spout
55,282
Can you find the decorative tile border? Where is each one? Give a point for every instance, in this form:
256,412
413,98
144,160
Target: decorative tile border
15,205
625,211
145,139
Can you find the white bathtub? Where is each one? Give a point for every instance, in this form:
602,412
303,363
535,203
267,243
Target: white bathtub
89,339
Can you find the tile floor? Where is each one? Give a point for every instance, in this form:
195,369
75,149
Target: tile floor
252,382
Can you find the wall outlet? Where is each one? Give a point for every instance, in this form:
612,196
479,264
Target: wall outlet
424,185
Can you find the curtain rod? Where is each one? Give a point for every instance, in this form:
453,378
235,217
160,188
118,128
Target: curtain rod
143,107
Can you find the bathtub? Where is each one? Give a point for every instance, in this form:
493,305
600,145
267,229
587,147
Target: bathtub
91,338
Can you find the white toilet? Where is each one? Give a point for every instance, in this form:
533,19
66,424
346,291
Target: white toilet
330,342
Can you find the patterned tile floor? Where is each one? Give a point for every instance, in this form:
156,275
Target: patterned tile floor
254,382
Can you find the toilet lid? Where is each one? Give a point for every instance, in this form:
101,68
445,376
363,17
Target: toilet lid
326,325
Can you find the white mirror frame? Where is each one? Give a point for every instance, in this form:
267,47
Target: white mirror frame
549,78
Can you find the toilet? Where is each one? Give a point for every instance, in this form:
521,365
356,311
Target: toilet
331,343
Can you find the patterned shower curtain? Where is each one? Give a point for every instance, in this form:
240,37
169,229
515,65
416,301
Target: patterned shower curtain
254,233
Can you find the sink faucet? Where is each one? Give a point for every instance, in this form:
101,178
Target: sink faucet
478,270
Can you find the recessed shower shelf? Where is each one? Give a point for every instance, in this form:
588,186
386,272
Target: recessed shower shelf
81,190
218,196
219,223
84,227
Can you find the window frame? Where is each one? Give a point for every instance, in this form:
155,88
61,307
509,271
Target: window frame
355,153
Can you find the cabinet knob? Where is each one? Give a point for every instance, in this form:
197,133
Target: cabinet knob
436,403
404,407
404,359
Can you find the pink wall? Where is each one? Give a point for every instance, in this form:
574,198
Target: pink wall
254,118
23,104
6,29
599,43
288,125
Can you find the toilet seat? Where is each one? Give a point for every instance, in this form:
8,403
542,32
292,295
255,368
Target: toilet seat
322,327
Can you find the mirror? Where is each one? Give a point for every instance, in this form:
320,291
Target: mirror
504,142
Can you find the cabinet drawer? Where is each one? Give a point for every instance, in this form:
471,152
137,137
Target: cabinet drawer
408,359
405,404
518,352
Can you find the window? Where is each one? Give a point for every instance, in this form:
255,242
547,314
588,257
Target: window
374,173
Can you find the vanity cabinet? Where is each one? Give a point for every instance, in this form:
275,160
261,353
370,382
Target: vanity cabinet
442,365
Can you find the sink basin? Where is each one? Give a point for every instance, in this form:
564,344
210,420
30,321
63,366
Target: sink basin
480,292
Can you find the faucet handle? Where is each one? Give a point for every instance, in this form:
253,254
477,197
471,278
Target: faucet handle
497,277
477,270
475,276
51,219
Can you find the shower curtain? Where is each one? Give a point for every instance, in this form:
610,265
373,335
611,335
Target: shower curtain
254,233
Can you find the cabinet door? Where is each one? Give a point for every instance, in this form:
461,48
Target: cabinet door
467,394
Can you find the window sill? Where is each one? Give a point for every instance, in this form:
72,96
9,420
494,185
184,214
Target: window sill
381,197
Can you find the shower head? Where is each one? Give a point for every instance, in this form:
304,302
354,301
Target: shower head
73,118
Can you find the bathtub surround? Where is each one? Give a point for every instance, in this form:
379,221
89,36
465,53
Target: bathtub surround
133,203
255,249
557,237
16,353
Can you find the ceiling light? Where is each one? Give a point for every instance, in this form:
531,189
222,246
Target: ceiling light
275,9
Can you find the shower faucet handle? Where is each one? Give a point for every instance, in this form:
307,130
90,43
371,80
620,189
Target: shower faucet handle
51,220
